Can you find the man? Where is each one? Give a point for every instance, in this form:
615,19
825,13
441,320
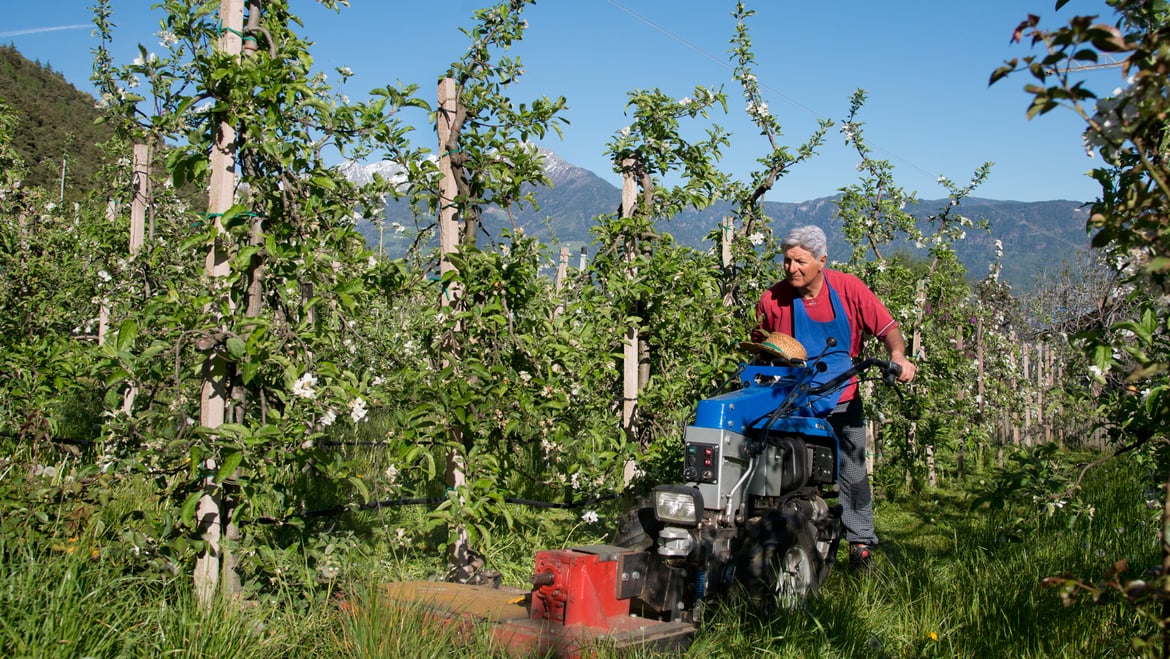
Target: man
813,303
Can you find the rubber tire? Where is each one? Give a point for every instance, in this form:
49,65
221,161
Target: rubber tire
637,528
780,564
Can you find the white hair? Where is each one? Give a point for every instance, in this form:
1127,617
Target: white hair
811,238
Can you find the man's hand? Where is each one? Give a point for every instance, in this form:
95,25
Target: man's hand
908,368
896,346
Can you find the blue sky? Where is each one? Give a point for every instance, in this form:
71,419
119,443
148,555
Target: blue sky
924,64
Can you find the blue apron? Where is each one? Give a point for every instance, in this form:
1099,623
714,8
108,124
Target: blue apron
813,334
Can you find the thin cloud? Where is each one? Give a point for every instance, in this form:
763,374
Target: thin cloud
39,30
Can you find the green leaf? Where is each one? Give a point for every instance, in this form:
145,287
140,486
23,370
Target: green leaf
363,491
126,334
248,371
187,512
230,463
236,347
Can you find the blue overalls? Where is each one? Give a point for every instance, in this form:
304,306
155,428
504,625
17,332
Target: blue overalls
813,335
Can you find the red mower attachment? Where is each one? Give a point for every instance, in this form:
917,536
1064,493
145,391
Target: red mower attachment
580,599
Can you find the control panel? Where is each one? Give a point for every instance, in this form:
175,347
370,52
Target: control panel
701,463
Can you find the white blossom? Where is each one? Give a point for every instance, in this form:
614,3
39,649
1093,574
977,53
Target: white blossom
756,238
304,387
328,418
357,409
590,517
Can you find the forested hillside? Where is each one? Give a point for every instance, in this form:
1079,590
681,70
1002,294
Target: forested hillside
55,133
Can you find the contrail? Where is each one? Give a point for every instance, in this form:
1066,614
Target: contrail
38,30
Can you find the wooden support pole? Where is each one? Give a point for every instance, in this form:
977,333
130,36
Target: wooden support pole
917,351
141,186
562,274
104,307
562,268
214,391
727,233
447,132
448,190
630,341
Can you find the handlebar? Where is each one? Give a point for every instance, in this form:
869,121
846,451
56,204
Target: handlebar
890,373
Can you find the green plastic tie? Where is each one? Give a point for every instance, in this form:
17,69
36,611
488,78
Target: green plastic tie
221,30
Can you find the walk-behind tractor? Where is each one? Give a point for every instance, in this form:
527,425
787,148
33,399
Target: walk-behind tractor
752,520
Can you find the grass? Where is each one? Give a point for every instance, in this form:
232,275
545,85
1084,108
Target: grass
949,581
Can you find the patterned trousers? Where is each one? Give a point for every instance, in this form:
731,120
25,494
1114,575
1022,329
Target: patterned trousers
856,497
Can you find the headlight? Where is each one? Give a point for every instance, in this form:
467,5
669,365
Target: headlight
678,504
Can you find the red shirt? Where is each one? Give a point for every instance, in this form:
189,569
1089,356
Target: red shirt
866,313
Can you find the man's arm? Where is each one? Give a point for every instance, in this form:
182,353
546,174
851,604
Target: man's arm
896,346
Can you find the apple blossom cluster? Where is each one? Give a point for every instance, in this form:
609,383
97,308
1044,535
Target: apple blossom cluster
357,409
757,109
1106,131
304,387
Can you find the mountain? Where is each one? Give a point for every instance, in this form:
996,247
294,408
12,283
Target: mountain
1037,236
55,127
56,124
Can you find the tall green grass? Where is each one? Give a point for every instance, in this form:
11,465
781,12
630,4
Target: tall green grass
950,581
69,603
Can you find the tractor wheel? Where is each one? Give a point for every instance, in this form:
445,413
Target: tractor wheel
637,528
783,566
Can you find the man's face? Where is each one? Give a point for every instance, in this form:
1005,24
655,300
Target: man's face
801,267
